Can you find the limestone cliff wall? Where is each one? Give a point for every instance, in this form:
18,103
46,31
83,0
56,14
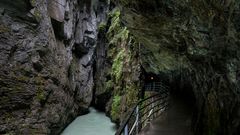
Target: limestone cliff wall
118,68
199,40
46,62
56,56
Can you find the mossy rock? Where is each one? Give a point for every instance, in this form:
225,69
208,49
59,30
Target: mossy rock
37,15
4,29
117,66
115,23
115,107
131,94
33,2
109,85
102,27
71,69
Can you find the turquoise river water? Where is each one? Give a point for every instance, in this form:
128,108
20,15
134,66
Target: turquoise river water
93,123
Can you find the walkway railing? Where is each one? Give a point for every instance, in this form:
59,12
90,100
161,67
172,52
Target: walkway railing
145,110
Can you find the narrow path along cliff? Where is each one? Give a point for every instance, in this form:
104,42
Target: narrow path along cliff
175,121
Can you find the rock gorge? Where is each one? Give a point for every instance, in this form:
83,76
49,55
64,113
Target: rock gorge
58,57
47,56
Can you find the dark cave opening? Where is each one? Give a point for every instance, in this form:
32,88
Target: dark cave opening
178,85
181,92
57,28
149,79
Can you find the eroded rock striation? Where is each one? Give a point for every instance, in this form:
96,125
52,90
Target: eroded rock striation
46,72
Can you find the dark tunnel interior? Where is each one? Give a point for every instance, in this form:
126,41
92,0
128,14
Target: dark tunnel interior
181,94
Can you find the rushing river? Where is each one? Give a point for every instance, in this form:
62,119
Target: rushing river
93,123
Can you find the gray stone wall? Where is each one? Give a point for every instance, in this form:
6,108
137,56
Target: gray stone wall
46,73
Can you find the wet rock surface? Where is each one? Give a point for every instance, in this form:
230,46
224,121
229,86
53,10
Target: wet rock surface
117,68
198,42
46,76
58,56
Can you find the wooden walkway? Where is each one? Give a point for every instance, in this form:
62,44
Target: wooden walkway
175,121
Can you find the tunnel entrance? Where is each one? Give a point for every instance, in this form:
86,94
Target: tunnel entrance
151,83
181,87
178,85
182,99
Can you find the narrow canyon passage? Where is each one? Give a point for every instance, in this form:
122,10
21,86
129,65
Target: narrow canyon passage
175,121
58,58
93,123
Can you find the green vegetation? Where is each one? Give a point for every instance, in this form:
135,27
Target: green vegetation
120,54
40,83
109,85
71,69
37,15
121,36
116,32
115,24
40,89
118,65
40,95
132,94
39,80
4,29
115,107
117,36
33,2
102,26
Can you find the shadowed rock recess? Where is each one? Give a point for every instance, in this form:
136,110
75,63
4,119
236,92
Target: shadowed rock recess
59,57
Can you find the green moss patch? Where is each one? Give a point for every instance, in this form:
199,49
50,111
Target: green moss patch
122,54
102,26
109,85
4,29
118,65
115,108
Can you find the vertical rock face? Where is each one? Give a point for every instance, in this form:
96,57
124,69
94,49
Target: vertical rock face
57,9
46,72
47,50
117,68
102,68
199,39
